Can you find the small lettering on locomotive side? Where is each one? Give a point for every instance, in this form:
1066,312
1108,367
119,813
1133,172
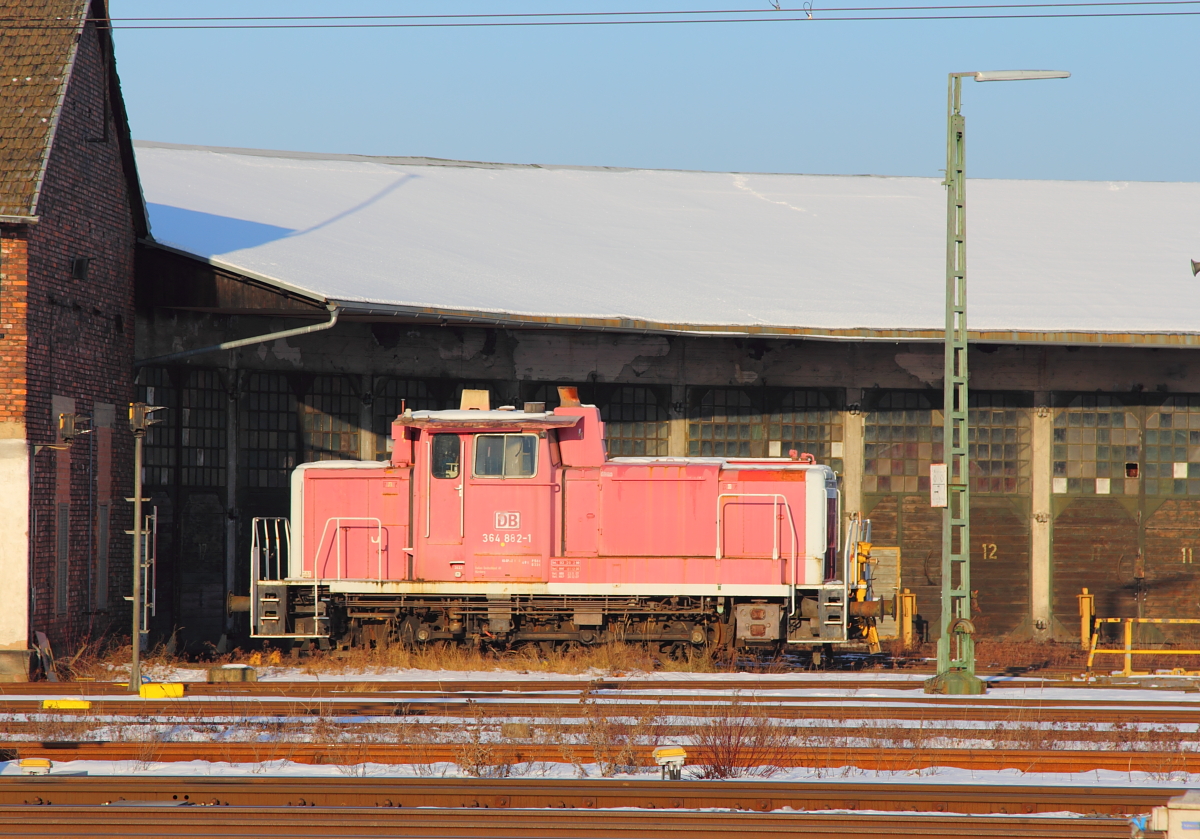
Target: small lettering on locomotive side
508,538
508,521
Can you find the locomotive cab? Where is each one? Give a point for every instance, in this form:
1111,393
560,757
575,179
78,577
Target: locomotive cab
503,527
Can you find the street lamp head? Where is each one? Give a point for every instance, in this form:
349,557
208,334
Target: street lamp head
1018,75
1195,267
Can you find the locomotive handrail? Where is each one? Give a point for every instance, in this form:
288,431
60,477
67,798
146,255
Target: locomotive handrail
337,522
775,499
266,527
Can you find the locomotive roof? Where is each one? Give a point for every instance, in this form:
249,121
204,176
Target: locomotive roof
741,464
483,419
714,253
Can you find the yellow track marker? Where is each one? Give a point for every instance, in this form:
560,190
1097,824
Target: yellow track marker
66,705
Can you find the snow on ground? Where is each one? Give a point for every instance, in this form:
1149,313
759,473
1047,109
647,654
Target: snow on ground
845,774
801,686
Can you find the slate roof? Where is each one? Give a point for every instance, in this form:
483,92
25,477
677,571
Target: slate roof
37,48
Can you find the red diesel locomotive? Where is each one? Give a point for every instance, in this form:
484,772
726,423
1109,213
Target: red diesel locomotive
504,527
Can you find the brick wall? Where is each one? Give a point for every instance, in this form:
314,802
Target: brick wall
13,286
80,347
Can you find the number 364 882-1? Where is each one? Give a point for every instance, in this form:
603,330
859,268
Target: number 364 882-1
509,538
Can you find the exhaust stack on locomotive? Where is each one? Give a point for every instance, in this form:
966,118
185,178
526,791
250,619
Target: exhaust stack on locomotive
503,527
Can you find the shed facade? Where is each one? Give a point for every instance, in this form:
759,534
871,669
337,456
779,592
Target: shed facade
706,314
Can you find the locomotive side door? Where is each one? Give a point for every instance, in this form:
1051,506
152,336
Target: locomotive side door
438,538
510,492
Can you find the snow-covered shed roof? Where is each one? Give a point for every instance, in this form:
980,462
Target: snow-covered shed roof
705,252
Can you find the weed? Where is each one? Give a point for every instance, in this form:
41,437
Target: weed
615,740
1024,656
480,757
740,740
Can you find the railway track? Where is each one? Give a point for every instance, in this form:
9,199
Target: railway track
909,705
506,754
535,683
865,736
472,793
344,724
778,707
130,819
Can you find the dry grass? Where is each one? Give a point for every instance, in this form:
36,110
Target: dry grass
997,654
1028,655
740,740
615,658
101,660
479,754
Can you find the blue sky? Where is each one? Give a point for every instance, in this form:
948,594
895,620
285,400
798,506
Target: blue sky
820,97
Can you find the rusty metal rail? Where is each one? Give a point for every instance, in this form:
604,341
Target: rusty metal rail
132,820
865,732
341,687
884,759
915,707
760,796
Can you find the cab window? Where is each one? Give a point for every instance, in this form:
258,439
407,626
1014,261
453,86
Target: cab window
446,454
506,455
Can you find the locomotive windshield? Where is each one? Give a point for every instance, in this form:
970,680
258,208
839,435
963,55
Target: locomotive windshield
445,456
506,455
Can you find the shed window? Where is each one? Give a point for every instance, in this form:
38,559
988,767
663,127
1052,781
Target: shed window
446,449
506,455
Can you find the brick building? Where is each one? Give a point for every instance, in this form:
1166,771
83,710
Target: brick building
70,215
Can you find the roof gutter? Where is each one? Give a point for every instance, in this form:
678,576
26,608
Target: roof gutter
466,317
640,326
334,312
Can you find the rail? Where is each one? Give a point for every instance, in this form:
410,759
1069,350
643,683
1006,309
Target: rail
182,818
1128,651
589,794
776,498
1166,763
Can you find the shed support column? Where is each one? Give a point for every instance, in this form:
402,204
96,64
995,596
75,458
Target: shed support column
852,463
677,440
1042,518
231,471
366,424
15,553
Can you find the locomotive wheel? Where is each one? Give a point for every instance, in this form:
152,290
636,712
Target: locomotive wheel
721,646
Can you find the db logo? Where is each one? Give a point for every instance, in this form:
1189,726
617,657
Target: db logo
508,521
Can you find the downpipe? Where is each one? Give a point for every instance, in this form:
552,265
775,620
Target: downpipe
334,312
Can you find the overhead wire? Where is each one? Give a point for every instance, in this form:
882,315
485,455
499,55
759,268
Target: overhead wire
815,16
1131,8
769,13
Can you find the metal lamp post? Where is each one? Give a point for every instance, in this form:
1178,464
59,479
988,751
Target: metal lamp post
139,422
956,644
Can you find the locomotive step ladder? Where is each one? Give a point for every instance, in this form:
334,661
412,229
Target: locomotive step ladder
831,612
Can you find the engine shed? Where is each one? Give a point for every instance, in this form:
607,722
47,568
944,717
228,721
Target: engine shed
704,315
